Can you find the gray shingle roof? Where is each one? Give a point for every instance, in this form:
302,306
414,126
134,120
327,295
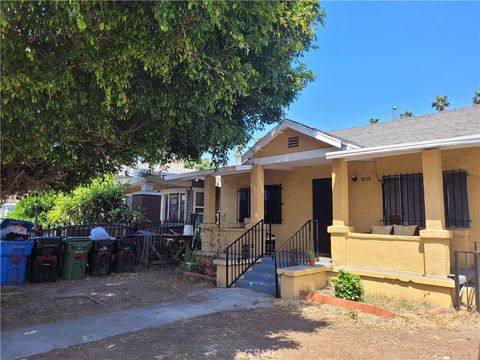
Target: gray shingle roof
439,125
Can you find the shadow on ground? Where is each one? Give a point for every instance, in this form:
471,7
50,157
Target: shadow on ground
227,335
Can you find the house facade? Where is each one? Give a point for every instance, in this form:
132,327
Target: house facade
162,201
390,201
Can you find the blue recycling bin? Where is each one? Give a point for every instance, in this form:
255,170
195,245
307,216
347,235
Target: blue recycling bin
14,261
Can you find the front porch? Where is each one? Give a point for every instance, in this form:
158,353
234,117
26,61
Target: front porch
416,267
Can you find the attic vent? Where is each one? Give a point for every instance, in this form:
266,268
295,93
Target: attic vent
293,141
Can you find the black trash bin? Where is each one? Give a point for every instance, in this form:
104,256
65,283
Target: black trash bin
125,254
44,259
100,257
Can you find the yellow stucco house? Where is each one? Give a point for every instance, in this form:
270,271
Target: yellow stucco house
390,201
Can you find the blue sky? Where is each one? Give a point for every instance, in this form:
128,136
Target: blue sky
373,55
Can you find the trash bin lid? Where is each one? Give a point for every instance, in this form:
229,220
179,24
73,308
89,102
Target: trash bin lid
8,222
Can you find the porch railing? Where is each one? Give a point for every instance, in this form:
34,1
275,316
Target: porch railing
244,252
294,251
466,266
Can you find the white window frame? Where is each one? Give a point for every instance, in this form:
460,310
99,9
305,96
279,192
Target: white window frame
166,204
194,207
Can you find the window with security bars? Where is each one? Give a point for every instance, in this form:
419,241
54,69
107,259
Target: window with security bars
456,199
273,204
403,200
243,204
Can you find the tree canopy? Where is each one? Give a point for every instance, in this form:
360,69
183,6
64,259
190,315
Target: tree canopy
441,103
203,164
406,114
90,86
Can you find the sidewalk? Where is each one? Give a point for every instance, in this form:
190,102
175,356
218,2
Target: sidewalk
38,339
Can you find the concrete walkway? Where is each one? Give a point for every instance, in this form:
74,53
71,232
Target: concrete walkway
38,339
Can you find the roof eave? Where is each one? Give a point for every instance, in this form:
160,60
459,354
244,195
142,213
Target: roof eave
396,149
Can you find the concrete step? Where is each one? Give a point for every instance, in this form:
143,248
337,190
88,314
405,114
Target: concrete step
267,260
260,276
259,286
263,267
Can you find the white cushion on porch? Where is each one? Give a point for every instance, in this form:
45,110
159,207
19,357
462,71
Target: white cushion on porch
404,230
382,229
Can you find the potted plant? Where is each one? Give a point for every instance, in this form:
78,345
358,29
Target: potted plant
311,258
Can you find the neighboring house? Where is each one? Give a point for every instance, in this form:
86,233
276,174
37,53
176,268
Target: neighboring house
7,208
163,201
421,172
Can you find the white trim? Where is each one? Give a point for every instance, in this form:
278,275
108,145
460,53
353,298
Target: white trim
166,204
145,192
303,129
162,207
201,174
194,203
377,151
296,156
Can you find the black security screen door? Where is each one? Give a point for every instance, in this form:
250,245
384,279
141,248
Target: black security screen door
322,211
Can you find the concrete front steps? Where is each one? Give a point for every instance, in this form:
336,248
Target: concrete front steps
261,278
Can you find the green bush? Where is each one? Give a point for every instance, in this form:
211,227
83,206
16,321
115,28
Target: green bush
101,201
190,256
25,208
348,286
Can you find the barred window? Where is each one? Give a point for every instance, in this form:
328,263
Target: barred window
243,204
403,199
456,198
273,204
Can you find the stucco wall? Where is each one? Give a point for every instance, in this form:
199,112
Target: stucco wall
279,145
365,197
296,196
469,159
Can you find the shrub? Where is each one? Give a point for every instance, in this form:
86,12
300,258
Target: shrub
190,256
25,208
348,286
101,201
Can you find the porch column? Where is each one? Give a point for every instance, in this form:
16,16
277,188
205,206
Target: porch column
339,229
340,192
435,238
209,200
257,183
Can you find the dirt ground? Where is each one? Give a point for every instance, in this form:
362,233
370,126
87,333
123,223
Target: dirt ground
48,302
293,330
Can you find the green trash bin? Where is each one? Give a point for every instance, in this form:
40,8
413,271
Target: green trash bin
74,257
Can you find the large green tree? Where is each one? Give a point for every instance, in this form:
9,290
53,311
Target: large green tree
90,86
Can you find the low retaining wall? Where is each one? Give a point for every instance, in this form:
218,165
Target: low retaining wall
411,287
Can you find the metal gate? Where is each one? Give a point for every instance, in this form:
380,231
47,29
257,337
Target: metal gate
467,278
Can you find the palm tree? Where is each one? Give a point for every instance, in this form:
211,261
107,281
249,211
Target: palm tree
476,98
406,114
441,103
373,120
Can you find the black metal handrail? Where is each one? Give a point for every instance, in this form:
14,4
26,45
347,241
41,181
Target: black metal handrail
466,265
244,252
294,251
